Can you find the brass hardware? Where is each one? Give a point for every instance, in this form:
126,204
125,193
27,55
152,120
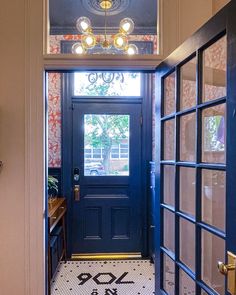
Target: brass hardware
229,270
225,268
77,192
106,256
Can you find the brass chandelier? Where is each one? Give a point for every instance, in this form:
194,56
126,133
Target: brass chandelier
119,41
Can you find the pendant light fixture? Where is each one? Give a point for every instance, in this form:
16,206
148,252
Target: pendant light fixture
120,40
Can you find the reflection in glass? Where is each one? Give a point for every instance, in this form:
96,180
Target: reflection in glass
187,190
213,250
106,145
213,198
186,284
214,134
169,94
187,137
188,85
187,250
214,70
169,185
169,230
107,84
168,275
169,140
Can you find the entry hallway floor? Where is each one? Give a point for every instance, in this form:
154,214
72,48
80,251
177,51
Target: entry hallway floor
110,277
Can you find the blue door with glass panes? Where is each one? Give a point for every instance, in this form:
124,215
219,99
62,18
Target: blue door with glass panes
107,145
106,178
196,162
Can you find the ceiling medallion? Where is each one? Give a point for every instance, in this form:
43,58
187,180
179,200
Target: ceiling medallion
94,6
119,41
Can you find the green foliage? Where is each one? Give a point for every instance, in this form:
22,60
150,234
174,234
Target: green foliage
104,131
52,184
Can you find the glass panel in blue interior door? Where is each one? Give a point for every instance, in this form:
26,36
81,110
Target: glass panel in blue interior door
106,145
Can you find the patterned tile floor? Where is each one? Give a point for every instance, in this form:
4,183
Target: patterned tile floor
111,277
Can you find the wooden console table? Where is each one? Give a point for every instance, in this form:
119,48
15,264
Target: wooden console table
56,215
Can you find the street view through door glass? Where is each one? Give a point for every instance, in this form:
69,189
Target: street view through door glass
106,145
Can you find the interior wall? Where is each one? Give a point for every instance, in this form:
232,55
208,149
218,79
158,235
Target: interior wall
12,148
218,4
181,18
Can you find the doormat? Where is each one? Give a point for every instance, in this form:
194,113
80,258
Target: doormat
111,277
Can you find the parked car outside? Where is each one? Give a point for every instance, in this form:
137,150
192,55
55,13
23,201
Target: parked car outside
94,169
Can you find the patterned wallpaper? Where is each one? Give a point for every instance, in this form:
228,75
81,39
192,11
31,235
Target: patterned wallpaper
54,120
55,41
54,97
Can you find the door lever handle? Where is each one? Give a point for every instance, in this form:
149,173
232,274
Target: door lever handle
225,268
229,270
77,192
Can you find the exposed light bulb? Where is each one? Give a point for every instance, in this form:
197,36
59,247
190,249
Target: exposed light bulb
83,24
77,48
88,40
120,41
126,25
132,49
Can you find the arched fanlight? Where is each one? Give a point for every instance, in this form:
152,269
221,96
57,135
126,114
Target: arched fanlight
83,24
132,49
120,41
126,25
78,48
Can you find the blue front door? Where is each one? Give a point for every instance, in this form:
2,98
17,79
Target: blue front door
106,178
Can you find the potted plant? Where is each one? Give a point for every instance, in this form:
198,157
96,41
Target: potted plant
52,188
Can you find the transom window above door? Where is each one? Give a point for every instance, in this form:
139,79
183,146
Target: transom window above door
107,84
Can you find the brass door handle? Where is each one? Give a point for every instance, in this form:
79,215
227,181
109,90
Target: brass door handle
77,193
225,268
229,270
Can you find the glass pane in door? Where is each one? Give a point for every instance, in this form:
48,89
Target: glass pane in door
213,250
169,93
187,250
187,185
169,185
169,230
187,137
213,198
169,275
188,94
214,69
106,145
214,134
186,284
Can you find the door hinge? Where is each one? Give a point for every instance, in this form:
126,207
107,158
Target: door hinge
141,120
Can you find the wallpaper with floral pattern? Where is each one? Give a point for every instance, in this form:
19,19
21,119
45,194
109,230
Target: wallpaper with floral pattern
54,97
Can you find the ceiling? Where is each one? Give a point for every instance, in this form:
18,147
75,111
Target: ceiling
64,13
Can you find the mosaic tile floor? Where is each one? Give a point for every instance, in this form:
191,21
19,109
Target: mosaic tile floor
111,277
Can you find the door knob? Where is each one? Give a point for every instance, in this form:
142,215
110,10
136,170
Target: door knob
225,268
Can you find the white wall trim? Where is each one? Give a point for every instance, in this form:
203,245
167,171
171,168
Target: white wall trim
34,150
